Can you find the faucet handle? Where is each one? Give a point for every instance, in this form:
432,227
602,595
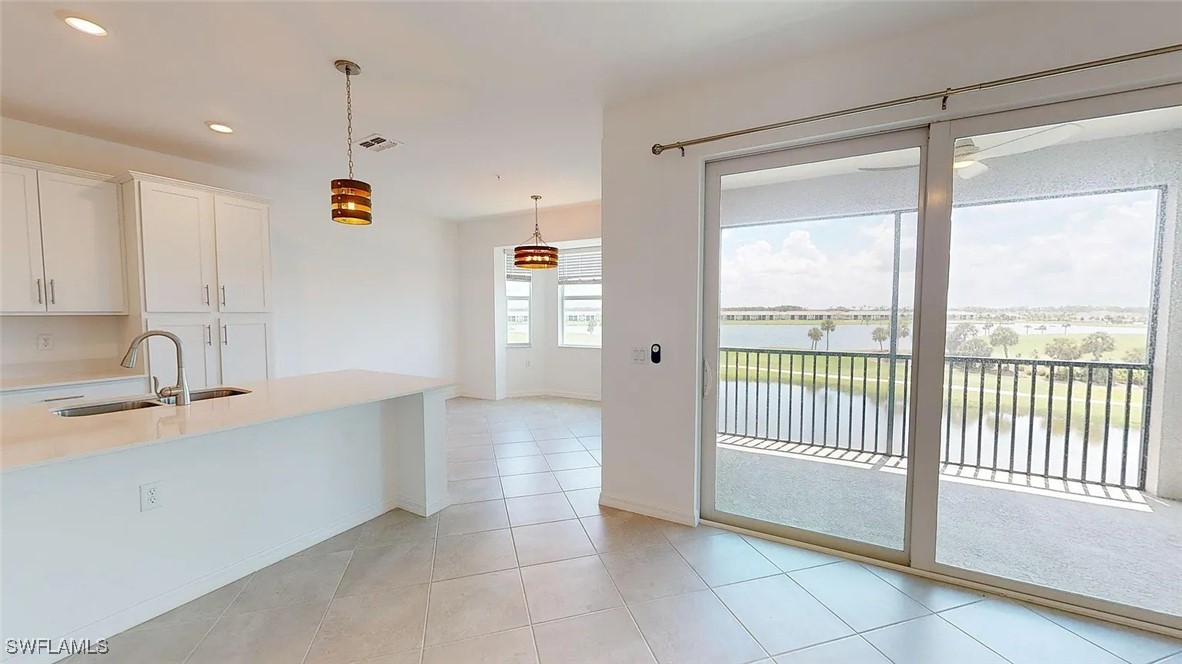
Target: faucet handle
156,385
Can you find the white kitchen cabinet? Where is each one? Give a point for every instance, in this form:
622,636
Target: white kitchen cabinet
198,340
82,242
179,262
243,254
245,351
22,276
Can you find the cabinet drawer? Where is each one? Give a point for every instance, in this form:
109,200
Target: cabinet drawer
62,395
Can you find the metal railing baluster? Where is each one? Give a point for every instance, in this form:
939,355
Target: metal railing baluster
1067,426
1050,417
1087,425
1107,426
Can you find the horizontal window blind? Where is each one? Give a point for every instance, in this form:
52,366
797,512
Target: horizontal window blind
514,273
580,266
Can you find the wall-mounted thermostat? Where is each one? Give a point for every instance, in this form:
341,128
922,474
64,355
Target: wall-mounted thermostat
655,354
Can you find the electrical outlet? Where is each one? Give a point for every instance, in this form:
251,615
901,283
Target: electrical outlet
44,342
150,497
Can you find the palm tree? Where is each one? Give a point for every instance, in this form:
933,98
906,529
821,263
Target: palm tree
1065,326
880,335
815,334
828,326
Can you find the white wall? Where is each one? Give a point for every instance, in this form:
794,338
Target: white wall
489,369
652,206
380,297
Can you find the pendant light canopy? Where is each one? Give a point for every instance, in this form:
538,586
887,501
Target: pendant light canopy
535,254
351,199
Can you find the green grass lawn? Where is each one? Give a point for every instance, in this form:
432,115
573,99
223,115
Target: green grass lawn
1035,344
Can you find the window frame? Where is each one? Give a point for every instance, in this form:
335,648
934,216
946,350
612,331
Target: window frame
529,306
562,300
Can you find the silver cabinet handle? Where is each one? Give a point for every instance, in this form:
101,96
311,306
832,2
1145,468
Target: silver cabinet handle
52,292
225,336
206,293
40,300
208,336
223,296
76,396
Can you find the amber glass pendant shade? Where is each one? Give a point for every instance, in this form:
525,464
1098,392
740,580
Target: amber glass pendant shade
351,202
535,256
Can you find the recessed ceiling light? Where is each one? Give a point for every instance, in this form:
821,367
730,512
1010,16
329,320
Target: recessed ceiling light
82,25
220,128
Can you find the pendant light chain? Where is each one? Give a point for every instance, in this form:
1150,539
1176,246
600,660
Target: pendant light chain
537,233
349,118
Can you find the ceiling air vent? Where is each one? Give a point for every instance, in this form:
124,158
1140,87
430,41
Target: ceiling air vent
377,143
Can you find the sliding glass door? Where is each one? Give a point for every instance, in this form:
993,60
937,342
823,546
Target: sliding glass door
813,253
947,347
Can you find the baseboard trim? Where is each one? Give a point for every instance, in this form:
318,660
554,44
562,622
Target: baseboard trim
648,510
415,507
148,609
553,393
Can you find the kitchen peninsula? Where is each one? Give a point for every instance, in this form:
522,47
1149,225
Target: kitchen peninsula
112,519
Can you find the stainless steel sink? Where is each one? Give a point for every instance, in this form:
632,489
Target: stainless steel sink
109,407
209,393
144,402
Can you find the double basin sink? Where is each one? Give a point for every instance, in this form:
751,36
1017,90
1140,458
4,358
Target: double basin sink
147,402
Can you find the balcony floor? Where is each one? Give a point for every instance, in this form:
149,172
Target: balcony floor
1112,544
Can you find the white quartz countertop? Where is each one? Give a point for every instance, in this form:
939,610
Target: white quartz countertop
34,435
61,374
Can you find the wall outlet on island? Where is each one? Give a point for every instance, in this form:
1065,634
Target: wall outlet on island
150,497
44,342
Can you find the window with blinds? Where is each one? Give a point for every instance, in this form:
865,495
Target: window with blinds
518,293
580,287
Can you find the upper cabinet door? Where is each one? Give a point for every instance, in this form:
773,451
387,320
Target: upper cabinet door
22,280
243,255
179,263
83,244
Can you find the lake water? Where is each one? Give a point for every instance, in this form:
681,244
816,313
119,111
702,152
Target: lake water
856,336
841,419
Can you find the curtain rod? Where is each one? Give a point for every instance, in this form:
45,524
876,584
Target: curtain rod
942,95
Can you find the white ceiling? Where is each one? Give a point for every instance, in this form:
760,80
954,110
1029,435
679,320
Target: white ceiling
475,90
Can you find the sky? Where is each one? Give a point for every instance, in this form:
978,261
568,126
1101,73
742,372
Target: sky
1094,250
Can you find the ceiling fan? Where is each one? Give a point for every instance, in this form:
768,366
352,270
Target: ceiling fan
968,153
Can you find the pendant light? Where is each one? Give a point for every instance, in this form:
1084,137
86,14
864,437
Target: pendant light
535,254
351,199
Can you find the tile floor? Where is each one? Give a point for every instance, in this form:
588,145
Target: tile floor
526,567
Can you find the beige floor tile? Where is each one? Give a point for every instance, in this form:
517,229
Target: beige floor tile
475,606
622,530
470,491
694,628
207,607
471,470
474,453
345,541
543,422
528,510
377,568
568,588
469,440
591,442
582,429
1132,645
781,615
581,478
512,647
516,486
297,580
586,502
508,423
467,518
724,558
510,450
547,542
570,460
523,465
559,445
935,596
474,553
408,657
275,636
551,433
854,650
1022,636
370,625
931,640
651,572
395,526
607,637
511,436
169,644
857,596
790,558
677,532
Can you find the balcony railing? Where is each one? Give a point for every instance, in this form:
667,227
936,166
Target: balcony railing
1067,420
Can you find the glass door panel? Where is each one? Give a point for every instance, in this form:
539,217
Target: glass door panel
815,273
1050,472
